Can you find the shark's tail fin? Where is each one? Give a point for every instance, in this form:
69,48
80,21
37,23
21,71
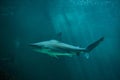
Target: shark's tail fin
94,44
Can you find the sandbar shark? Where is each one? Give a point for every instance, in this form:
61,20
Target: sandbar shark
56,48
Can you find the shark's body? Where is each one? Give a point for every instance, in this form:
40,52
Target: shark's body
56,48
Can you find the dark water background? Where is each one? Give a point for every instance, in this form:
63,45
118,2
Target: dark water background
80,21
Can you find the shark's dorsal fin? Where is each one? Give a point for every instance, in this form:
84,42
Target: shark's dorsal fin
59,36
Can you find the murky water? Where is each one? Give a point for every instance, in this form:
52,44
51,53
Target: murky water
81,22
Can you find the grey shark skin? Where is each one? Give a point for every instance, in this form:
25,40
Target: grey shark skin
56,48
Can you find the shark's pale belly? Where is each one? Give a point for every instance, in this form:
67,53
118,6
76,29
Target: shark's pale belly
54,53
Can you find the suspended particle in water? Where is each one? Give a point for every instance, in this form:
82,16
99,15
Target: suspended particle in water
17,43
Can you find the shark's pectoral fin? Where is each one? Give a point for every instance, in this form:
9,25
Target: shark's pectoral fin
55,56
52,54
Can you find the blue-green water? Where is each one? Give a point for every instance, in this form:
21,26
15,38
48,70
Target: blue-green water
80,21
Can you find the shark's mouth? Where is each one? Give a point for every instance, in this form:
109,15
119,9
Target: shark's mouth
35,46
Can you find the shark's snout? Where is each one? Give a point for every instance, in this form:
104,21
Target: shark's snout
34,46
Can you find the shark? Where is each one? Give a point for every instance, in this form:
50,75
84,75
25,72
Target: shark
57,48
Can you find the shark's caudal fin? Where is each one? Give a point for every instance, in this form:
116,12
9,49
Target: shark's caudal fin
94,44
